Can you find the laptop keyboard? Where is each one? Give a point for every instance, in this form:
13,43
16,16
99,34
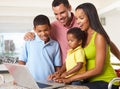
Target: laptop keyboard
41,85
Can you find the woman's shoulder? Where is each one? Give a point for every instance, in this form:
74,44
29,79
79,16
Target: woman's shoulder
99,38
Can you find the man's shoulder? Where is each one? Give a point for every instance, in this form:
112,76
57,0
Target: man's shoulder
54,23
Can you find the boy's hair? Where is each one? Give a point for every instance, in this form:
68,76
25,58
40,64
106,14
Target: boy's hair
78,33
41,20
58,2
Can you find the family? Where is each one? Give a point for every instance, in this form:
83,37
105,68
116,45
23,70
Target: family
74,49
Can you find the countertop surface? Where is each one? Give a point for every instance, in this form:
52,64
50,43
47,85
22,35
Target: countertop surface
9,83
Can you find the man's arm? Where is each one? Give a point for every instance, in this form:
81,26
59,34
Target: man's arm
29,36
114,50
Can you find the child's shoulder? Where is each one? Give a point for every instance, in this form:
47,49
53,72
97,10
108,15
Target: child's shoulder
28,42
54,42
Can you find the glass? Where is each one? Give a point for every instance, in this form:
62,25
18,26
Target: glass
2,80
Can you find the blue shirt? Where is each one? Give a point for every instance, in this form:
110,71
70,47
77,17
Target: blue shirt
41,58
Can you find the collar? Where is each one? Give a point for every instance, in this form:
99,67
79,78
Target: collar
72,21
37,38
72,50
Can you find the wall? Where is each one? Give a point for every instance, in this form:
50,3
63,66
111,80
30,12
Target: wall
113,27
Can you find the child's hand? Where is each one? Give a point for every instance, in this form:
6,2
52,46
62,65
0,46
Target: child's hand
64,75
66,80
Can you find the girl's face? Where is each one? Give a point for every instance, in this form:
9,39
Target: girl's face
82,19
43,31
73,42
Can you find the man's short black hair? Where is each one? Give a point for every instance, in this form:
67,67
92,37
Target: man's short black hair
58,2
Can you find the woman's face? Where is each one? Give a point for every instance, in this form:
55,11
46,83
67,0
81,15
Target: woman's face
82,19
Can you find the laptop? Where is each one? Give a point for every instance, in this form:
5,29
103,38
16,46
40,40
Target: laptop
23,78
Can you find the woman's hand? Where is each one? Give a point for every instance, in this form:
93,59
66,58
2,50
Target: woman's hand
63,80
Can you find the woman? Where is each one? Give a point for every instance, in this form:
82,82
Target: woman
97,50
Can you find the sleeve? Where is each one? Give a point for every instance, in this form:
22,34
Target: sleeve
80,55
57,56
24,52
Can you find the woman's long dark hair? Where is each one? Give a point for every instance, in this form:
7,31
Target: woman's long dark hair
93,17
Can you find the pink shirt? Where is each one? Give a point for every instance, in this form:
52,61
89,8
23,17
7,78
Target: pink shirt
59,33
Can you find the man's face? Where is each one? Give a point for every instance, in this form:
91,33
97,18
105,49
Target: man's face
62,14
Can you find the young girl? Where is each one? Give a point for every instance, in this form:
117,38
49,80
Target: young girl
75,61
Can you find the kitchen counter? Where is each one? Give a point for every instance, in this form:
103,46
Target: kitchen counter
9,83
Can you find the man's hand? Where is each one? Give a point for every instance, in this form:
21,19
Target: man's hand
29,36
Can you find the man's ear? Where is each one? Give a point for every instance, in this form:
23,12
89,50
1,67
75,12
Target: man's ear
70,7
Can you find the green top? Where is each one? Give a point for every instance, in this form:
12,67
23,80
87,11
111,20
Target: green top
90,52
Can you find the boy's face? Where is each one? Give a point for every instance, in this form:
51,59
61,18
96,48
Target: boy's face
43,31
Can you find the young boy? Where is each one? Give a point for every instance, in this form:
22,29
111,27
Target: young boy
75,61
42,55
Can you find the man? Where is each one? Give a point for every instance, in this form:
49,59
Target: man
65,20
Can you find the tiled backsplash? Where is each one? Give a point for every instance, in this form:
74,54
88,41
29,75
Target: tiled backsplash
7,59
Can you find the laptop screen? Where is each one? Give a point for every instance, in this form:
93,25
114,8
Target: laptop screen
23,78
